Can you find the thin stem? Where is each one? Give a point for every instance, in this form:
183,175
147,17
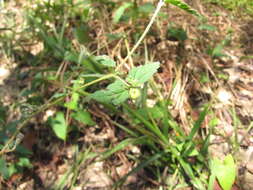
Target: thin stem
92,75
101,79
152,20
97,80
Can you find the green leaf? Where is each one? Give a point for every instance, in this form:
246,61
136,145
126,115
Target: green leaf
71,56
211,182
13,169
73,103
213,122
84,117
177,34
123,144
101,96
59,126
115,93
205,145
217,51
82,34
184,6
198,123
155,112
21,150
105,60
224,171
188,149
139,75
188,169
3,169
24,162
120,11
151,126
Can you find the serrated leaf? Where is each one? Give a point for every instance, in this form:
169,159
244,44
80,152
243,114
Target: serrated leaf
101,96
59,126
120,11
84,117
117,85
105,60
115,93
120,97
224,171
118,92
139,75
182,5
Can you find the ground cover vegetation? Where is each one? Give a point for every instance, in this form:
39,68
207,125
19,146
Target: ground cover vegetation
107,94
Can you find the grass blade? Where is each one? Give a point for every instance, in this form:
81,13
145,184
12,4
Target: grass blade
149,125
198,123
123,144
132,133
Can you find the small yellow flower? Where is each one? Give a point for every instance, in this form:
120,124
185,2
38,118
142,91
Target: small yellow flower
134,93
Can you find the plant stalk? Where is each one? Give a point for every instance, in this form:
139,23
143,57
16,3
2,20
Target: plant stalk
152,20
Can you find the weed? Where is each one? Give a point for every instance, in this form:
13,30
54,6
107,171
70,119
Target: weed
71,78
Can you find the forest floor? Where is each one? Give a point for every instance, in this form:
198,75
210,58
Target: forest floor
213,64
